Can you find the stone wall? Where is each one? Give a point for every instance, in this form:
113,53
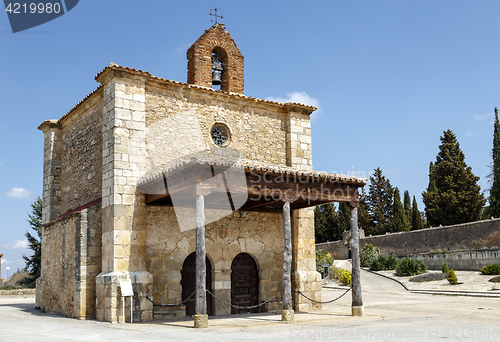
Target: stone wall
123,209
81,177
258,234
469,260
72,158
71,258
258,131
467,236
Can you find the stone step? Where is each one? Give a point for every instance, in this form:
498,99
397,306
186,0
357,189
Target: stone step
165,312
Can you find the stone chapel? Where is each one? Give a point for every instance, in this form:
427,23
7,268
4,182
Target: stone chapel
168,183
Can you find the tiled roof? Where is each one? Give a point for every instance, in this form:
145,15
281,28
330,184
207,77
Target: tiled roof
250,165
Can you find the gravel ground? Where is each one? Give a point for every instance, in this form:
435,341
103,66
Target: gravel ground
470,281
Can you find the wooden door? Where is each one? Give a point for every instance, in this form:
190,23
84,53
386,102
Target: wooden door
244,283
188,283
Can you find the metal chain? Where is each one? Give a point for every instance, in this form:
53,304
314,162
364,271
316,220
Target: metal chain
330,301
247,307
172,305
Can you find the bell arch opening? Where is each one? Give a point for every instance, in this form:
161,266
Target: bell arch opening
219,69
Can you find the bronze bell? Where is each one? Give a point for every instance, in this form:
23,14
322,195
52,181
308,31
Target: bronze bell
216,77
217,68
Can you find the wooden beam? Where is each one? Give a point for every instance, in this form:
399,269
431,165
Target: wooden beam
357,300
201,270
287,313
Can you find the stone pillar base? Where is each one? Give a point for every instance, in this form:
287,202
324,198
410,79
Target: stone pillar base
200,321
357,310
108,297
310,284
287,315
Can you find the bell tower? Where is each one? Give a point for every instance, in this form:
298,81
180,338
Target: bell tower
214,59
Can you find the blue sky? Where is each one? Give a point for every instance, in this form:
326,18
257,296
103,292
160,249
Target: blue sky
388,76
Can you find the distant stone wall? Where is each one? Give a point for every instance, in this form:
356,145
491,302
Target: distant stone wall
467,236
470,260
71,260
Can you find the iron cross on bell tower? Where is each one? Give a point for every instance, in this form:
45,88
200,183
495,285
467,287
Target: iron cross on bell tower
215,15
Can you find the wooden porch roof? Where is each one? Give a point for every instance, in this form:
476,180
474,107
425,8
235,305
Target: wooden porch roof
246,185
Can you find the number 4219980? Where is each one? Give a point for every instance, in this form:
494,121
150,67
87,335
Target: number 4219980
33,7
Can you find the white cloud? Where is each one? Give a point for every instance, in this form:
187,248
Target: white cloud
490,116
20,244
19,193
298,97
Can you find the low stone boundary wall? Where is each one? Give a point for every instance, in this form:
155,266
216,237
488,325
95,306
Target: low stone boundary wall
18,292
469,246
470,260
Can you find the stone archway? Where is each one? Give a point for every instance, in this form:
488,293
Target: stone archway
188,283
244,283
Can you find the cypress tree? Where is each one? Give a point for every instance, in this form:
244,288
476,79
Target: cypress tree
34,262
379,202
398,217
344,221
325,221
432,182
494,209
363,215
416,216
407,206
457,197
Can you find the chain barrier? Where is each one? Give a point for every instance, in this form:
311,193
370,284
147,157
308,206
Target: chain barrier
172,305
327,302
270,300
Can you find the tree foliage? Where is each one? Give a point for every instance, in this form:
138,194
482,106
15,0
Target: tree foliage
363,215
380,211
457,197
407,206
399,222
379,200
34,262
325,217
416,216
494,208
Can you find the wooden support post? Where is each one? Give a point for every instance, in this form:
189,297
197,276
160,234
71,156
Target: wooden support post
357,300
287,313
200,317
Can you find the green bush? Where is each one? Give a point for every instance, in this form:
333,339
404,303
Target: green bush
409,267
321,258
344,276
445,269
368,254
384,262
491,269
452,278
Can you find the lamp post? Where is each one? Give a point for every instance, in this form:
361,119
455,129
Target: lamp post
326,272
7,268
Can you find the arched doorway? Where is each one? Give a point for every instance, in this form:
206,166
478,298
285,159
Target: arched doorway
188,283
244,283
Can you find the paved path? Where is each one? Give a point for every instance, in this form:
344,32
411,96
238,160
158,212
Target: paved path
371,281
391,314
401,316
